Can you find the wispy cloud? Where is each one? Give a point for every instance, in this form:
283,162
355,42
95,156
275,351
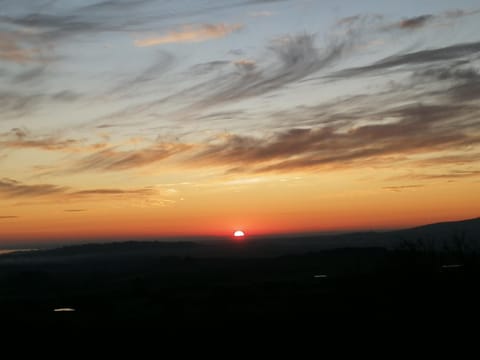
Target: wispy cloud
462,81
7,217
10,188
458,159
296,57
31,34
451,72
65,96
21,138
142,191
445,175
109,6
13,50
324,136
452,52
261,13
456,13
208,67
288,60
14,104
29,75
49,27
419,129
163,62
190,33
245,64
337,134
421,21
414,22
112,159
401,188
169,11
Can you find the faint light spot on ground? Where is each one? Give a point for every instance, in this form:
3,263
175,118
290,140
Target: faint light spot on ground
453,266
321,276
64,310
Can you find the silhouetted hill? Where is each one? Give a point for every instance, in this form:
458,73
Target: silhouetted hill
445,235
122,247
114,251
442,235
470,227
438,235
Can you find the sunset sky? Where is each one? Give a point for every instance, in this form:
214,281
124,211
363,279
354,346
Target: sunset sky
146,118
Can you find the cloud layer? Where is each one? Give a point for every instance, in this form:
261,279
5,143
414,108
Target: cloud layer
12,50
419,129
112,159
10,188
13,189
190,33
295,101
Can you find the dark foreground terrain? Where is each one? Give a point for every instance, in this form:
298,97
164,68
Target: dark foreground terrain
419,282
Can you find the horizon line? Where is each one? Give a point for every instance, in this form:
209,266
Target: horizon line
42,244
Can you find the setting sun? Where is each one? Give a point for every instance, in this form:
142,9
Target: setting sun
239,234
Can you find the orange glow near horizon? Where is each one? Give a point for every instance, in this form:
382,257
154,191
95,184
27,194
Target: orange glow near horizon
283,207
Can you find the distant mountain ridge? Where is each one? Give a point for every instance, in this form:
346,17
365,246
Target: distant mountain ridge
436,236
464,230
474,222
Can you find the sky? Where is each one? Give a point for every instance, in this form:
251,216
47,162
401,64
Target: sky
149,118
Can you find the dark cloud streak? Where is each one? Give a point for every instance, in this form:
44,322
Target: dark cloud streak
401,188
111,192
29,75
464,81
20,138
415,22
454,174
163,63
297,58
420,129
419,57
10,188
112,159
14,104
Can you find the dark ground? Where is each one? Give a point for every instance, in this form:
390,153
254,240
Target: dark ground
178,287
